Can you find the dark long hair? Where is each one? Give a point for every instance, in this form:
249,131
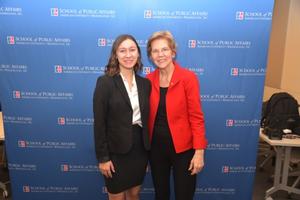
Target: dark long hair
113,68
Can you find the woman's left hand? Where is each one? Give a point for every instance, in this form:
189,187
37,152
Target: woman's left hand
197,162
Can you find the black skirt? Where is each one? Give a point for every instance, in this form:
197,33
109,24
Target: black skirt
130,168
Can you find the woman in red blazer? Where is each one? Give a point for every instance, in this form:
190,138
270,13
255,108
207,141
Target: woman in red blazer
176,122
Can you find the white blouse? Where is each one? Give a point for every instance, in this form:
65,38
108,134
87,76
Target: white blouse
134,100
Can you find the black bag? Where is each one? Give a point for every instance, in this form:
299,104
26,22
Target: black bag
280,112
296,127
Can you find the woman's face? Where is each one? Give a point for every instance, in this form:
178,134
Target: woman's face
127,54
161,53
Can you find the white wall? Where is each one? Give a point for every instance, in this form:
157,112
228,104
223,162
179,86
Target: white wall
283,67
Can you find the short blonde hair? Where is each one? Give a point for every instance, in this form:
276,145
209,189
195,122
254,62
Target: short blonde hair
167,35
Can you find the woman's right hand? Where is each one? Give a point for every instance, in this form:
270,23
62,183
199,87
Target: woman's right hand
107,168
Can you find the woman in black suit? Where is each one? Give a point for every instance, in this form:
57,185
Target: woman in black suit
121,109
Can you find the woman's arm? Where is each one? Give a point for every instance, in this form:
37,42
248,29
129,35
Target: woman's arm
100,109
197,162
195,114
196,119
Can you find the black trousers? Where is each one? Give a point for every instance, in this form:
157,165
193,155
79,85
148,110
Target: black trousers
163,160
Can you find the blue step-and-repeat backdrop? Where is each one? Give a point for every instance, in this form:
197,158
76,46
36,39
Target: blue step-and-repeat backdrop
52,51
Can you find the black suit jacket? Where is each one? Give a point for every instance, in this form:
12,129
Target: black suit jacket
113,115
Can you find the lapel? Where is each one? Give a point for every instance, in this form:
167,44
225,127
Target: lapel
120,85
156,79
140,88
174,80
176,75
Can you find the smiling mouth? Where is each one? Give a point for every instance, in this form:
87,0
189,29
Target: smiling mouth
161,61
128,61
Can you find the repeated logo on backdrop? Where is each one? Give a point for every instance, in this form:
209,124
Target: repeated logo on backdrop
215,190
50,189
199,71
83,12
75,121
22,167
247,71
38,144
68,69
226,169
219,44
223,147
10,11
78,168
37,40
42,95
242,122
224,98
17,119
105,42
13,68
49,69
246,15
176,14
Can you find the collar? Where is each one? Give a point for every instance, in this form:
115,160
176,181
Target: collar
125,80
176,76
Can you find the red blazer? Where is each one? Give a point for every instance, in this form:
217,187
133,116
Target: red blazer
184,113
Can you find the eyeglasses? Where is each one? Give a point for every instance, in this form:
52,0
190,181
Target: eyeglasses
163,51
